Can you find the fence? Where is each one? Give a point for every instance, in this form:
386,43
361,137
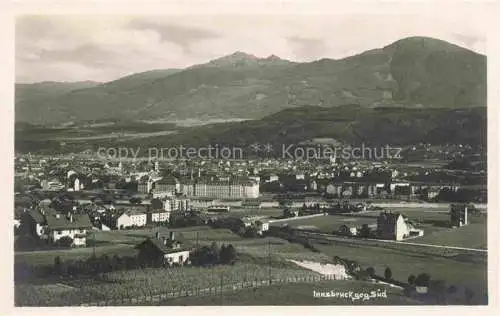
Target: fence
211,291
150,297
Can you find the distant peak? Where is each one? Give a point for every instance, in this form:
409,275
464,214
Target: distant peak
240,56
426,42
273,57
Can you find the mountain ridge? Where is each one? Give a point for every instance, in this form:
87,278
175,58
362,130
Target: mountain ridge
413,72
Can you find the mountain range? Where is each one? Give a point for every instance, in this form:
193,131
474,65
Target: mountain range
415,72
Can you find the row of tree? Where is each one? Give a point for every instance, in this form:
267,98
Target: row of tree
213,254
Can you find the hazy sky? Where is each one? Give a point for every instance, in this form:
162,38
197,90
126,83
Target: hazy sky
103,48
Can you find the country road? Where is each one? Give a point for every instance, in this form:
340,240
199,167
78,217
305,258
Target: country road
430,245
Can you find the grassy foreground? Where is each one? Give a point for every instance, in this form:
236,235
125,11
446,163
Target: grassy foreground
299,294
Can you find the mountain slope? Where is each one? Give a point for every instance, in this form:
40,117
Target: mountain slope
32,100
350,124
413,72
434,72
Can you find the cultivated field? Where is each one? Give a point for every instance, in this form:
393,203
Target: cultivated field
150,281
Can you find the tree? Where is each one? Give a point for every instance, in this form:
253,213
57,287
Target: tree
65,242
227,254
156,204
214,253
57,265
411,279
371,272
364,231
251,232
422,279
388,274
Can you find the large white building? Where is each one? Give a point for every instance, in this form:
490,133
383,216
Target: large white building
160,216
232,189
130,218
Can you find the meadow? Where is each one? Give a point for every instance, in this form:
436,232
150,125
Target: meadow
325,224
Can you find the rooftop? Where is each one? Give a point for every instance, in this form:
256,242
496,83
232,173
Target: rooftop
73,221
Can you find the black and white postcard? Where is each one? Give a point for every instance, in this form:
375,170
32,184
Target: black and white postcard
249,154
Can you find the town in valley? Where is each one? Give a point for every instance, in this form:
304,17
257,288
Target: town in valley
227,178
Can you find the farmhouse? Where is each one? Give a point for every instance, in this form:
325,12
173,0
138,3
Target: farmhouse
395,226
348,230
163,251
262,226
458,215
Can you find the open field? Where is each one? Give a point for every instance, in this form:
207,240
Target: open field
298,294
473,235
122,243
44,257
327,223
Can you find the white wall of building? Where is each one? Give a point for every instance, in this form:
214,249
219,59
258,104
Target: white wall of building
176,257
159,217
138,219
123,221
58,234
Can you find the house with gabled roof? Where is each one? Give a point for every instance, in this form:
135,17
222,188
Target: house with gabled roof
126,218
396,226
166,251
46,223
70,225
